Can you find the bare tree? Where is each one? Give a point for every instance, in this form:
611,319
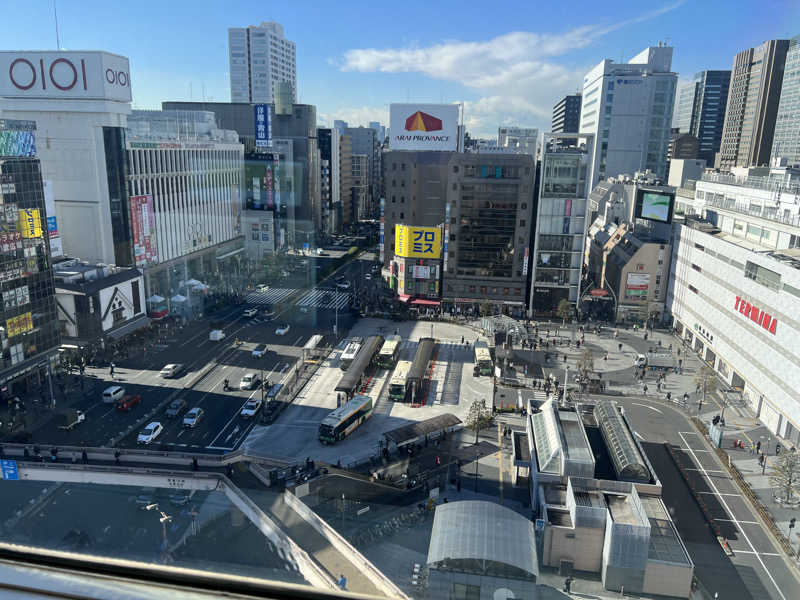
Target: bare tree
564,310
478,417
706,380
586,362
785,475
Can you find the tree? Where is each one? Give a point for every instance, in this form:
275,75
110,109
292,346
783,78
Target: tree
586,362
485,308
706,380
785,475
564,310
478,417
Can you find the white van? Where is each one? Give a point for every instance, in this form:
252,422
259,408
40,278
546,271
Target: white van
113,393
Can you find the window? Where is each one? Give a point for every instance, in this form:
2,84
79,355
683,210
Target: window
693,289
699,247
522,222
694,266
765,277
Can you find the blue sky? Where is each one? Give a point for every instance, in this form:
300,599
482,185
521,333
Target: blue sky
507,61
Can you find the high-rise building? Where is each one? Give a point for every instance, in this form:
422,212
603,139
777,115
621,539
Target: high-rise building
380,131
340,126
566,114
330,159
360,186
415,192
681,145
752,108
627,108
561,222
259,57
786,143
701,111
514,140
488,224
30,331
366,142
345,208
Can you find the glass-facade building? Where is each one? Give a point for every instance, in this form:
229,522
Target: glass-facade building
786,143
701,111
564,186
29,330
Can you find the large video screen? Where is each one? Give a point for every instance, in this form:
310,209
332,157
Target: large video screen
655,206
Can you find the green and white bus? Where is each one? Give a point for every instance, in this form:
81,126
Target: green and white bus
483,360
387,358
345,419
349,354
398,383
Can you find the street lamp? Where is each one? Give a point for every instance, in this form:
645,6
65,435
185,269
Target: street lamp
163,519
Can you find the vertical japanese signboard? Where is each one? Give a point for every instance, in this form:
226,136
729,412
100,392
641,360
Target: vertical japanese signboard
446,233
143,226
263,122
383,221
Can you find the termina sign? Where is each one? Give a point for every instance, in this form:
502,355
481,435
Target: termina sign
757,316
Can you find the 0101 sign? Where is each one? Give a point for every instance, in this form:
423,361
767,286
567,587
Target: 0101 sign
61,73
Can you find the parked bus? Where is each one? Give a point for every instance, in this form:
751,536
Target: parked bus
397,384
387,358
483,360
345,419
415,381
351,382
349,354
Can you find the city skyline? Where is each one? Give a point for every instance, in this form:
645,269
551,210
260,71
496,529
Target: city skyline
504,71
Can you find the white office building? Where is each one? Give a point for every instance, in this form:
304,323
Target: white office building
515,140
735,288
628,109
259,57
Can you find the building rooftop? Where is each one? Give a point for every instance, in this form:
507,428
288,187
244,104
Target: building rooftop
665,544
576,446
620,508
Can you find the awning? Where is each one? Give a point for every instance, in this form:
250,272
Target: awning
421,302
130,327
178,298
155,299
403,297
231,253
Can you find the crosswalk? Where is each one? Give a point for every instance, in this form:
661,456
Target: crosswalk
324,299
270,296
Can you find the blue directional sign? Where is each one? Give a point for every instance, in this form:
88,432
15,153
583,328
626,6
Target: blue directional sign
263,124
9,469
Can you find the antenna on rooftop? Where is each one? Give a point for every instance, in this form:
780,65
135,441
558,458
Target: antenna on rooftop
55,15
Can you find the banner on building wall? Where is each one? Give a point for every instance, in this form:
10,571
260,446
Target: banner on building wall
637,284
19,324
263,124
382,230
56,247
446,232
418,242
17,142
525,262
30,223
143,227
421,272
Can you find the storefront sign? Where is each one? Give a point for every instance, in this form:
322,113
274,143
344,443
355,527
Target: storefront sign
19,324
263,122
143,225
756,315
30,224
446,233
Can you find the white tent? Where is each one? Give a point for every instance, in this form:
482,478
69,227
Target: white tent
192,283
155,299
178,298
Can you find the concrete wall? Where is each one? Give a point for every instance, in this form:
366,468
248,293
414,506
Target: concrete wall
581,545
667,579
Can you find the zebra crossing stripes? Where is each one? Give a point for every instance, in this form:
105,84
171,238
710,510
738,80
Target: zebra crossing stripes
271,296
324,299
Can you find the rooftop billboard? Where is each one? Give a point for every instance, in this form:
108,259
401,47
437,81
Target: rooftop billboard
423,127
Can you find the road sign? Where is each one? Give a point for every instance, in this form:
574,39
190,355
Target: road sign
9,469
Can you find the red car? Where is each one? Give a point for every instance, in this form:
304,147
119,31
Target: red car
128,402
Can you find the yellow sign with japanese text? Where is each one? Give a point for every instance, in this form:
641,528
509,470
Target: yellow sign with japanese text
417,242
19,324
30,223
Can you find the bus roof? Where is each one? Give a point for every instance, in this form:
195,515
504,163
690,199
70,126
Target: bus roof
313,342
400,372
422,358
391,343
351,349
353,374
346,410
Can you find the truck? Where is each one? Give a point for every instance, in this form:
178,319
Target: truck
74,418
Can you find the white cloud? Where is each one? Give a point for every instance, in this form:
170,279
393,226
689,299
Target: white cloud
355,116
518,72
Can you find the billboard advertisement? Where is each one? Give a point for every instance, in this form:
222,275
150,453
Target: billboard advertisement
19,324
421,272
262,181
417,242
423,127
30,223
446,233
89,75
17,138
654,205
263,125
143,226
637,284
56,248
381,232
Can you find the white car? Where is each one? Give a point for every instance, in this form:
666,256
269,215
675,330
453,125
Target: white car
251,408
259,351
249,381
262,287
343,285
250,312
368,276
171,371
193,417
282,330
149,434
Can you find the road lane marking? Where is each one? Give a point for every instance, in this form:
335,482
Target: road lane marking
235,415
730,512
646,406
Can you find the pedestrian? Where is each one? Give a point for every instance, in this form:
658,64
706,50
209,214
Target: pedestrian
758,446
84,456
116,456
342,583
777,449
685,398
194,464
645,389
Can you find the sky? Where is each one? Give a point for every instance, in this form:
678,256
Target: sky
508,62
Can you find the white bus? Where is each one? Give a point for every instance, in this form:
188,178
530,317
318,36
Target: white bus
390,350
349,354
483,359
397,384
